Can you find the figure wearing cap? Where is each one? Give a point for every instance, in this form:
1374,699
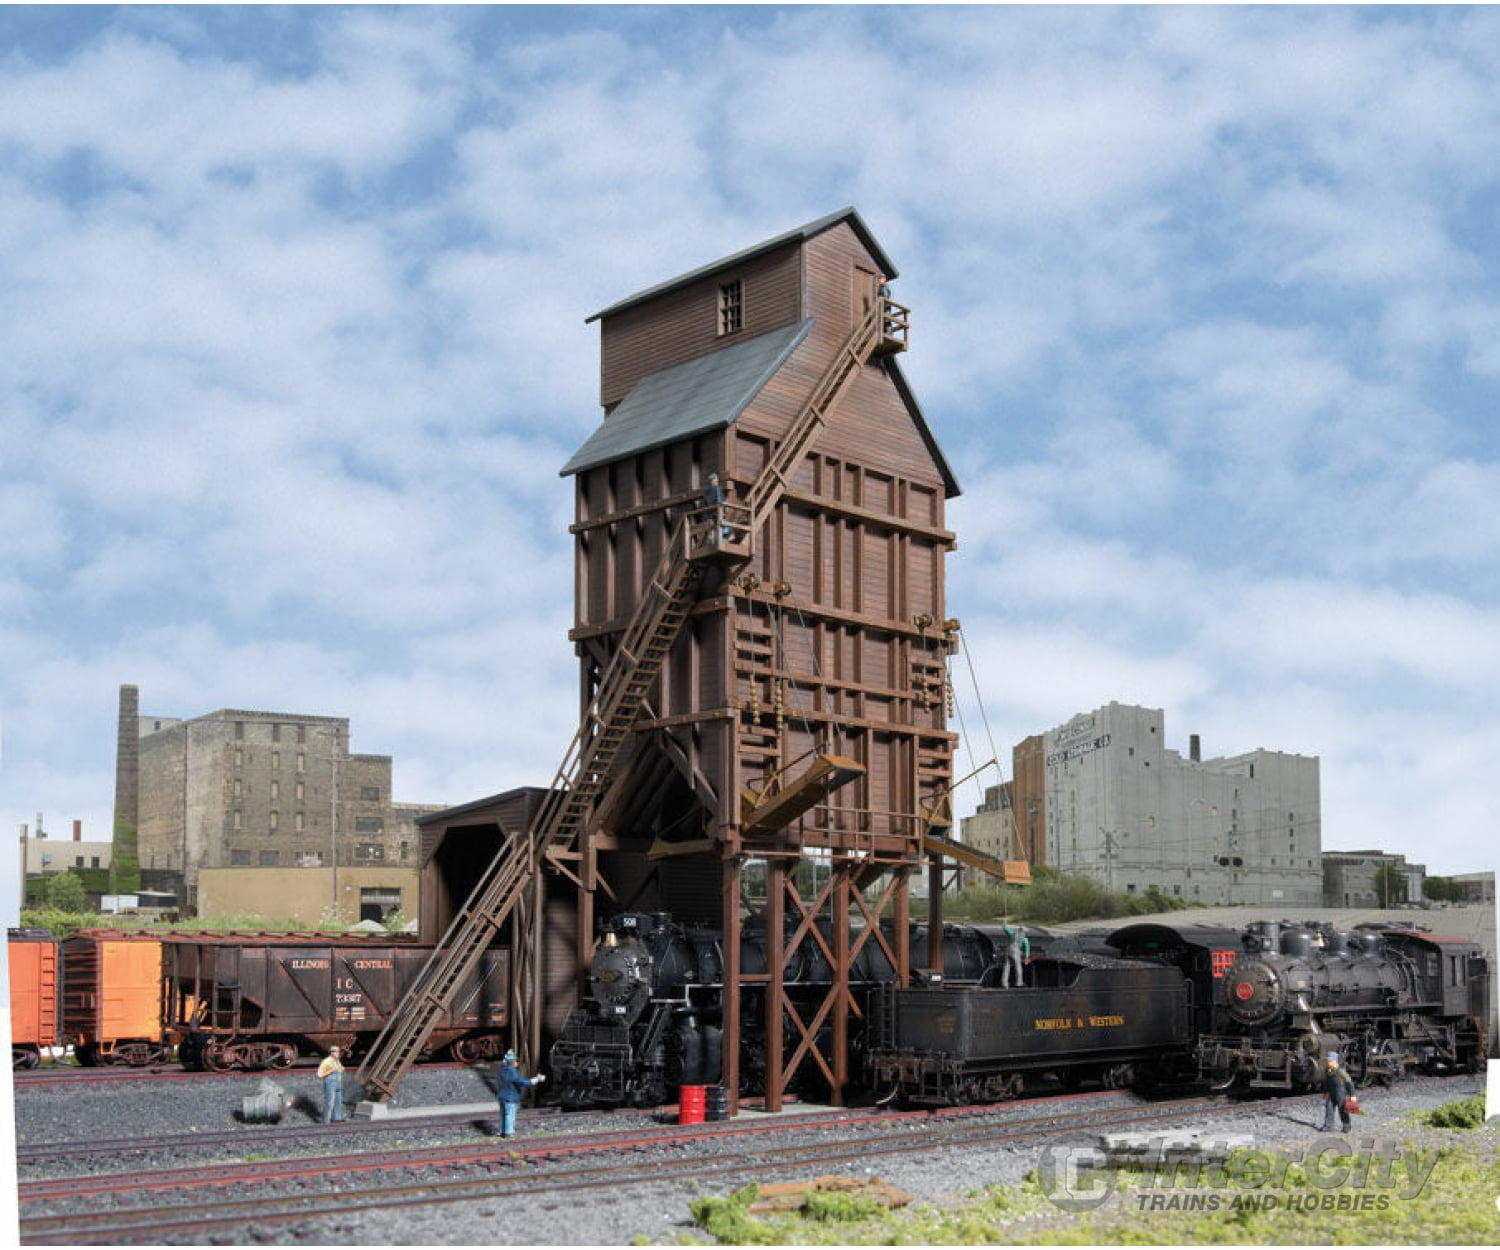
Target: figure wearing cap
509,1087
1338,1086
331,1074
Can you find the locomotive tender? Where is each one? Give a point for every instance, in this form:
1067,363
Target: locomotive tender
1081,1017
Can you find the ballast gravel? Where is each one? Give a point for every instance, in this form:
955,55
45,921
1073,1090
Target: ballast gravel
656,1211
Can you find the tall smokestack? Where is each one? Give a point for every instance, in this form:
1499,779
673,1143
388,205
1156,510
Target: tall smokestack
125,865
78,831
1195,751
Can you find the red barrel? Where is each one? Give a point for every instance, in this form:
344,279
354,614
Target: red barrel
690,1100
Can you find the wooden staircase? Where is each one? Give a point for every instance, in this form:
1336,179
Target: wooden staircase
711,534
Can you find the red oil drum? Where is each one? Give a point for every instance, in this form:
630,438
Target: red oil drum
690,1100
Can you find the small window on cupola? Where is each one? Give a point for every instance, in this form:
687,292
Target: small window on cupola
731,307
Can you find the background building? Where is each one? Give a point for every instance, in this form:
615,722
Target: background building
993,830
1104,796
1353,879
1475,887
257,790
44,855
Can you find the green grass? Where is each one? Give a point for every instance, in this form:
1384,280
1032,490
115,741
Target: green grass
1457,1206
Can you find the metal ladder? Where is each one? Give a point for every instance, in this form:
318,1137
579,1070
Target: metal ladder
605,727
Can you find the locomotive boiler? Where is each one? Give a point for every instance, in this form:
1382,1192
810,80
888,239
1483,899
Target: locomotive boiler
1385,999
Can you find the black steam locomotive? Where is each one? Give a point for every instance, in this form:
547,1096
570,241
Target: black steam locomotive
1144,1005
652,1017
1386,999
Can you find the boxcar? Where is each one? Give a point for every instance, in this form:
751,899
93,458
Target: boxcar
32,958
111,998
234,1004
1082,1017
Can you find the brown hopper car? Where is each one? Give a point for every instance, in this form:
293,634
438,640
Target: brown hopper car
233,1004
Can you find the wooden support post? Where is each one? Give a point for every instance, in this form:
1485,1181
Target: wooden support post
775,1012
902,926
731,925
935,915
843,885
538,963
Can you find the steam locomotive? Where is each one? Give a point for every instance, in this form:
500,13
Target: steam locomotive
1147,1004
652,1016
1386,999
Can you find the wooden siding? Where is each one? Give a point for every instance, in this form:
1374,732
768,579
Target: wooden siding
684,324
849,655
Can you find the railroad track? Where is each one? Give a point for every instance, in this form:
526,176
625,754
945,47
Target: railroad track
68,1074
549,1165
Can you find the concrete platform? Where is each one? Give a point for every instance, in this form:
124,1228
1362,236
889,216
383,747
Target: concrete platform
367,1110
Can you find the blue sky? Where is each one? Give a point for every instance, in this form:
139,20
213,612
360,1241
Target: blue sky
1206,308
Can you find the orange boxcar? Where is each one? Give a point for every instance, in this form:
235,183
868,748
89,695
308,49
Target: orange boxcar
111,1001
32,956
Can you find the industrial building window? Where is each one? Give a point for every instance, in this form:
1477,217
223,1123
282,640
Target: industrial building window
731,307
239,729
301,790
239,820
275,759
301,761
275,820
276,789
377,904
368,824
369,794
239,757
275,733
269,859
369,851
239,859
299,822
301,733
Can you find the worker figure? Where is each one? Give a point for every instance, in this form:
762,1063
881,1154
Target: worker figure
1016,955
1338,1086
714,496
511,1083
331,1073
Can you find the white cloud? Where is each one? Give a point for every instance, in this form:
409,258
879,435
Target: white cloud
1205,311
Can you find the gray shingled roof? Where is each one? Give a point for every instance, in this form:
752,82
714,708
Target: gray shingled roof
704,394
